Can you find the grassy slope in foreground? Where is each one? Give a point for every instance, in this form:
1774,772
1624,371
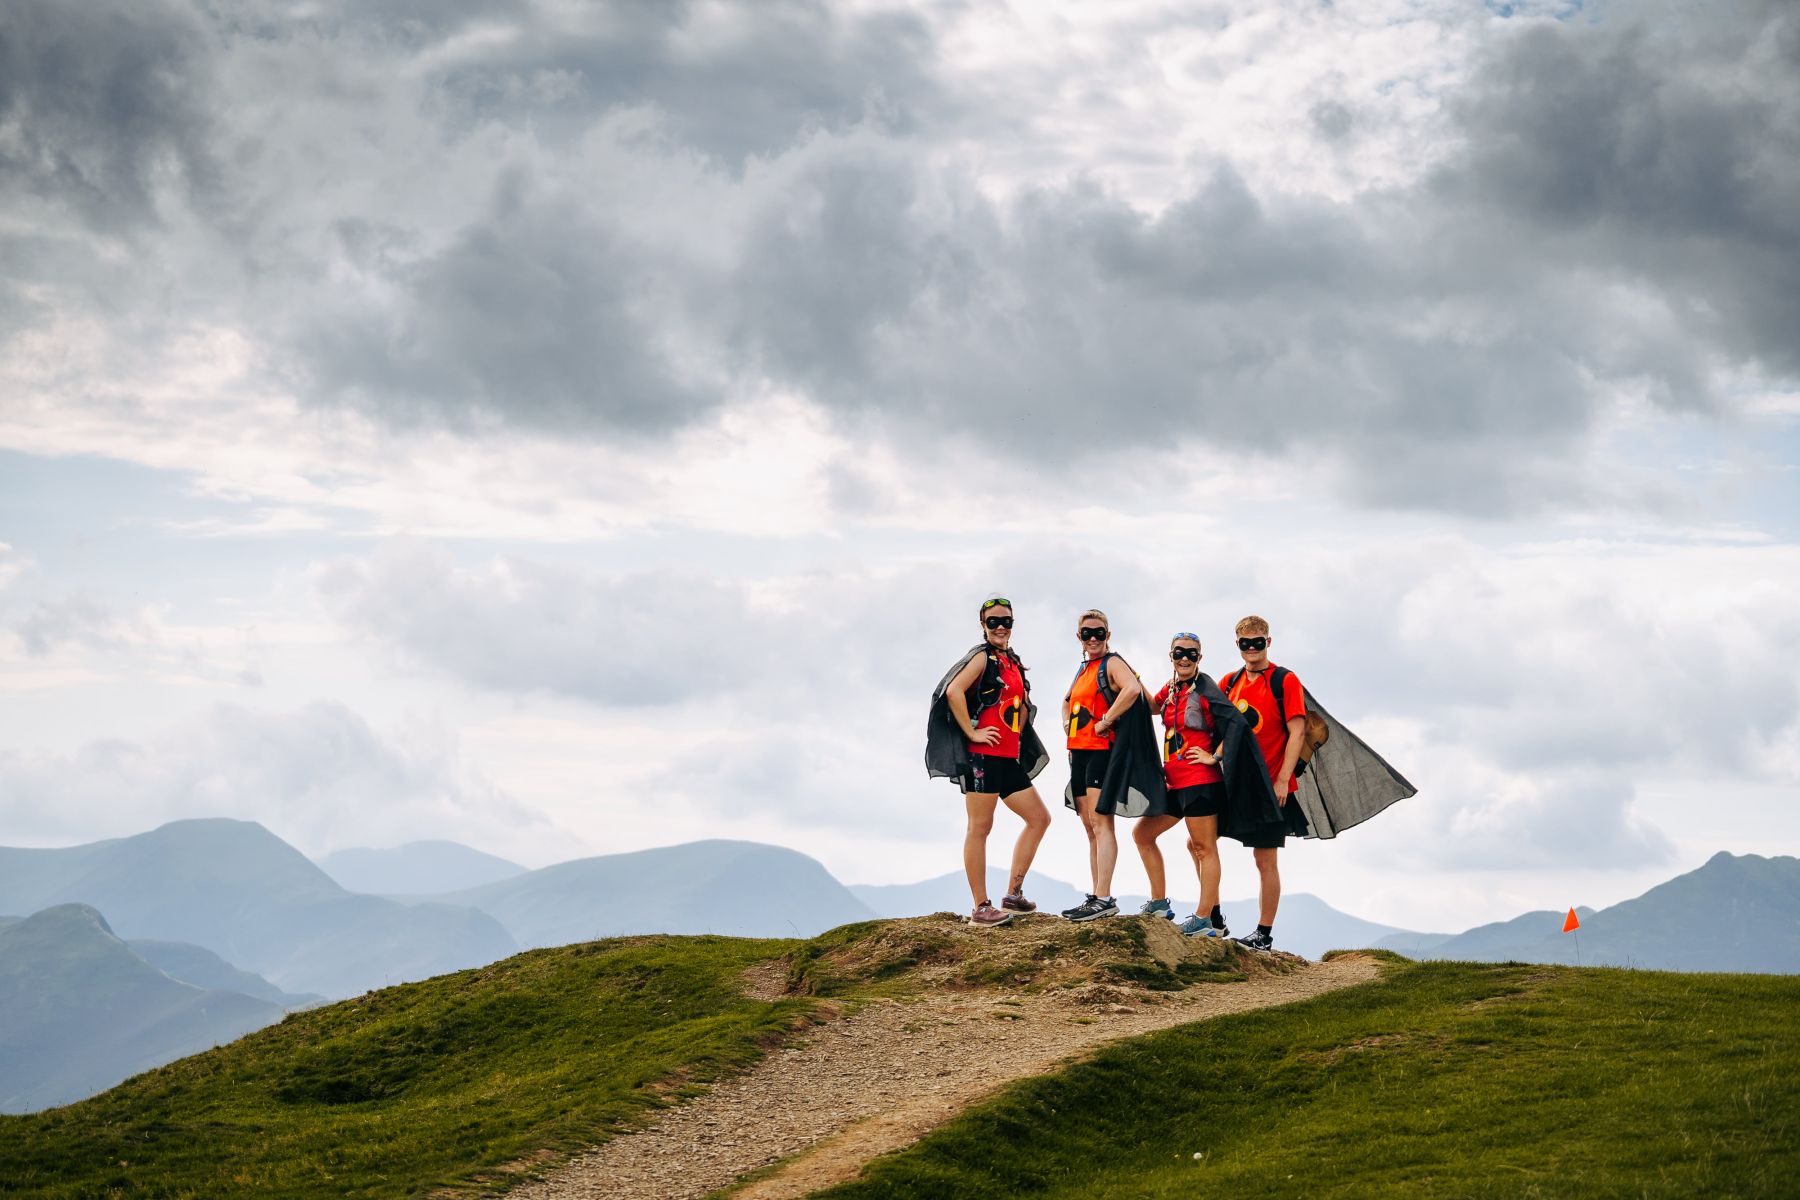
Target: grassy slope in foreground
414,1086
1441,1080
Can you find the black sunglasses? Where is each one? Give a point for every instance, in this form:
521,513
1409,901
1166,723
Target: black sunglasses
999,622
1255,643
1187,652
1094,633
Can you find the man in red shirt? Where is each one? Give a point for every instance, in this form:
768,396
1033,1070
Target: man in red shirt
1279,724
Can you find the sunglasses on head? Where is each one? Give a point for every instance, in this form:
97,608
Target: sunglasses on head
999,622
1190,653
1255,643
1093,633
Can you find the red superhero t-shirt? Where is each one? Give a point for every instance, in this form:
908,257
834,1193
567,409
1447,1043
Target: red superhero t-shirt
1254,699
1180,773
1007,714
1086,706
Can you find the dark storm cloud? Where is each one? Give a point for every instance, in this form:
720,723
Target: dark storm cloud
1448,345
536,310
1669,158
104,105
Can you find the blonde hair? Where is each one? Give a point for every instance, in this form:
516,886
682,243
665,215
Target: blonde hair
1093,614
1253,627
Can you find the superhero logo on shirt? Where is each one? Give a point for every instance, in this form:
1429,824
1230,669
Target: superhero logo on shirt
1013,715
1080,719
1253,714
1173,743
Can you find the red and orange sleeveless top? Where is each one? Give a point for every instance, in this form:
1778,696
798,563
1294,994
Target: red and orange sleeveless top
1007,714
1086,706
1178,735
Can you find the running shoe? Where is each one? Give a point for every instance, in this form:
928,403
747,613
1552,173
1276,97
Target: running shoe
987,914
1157,908
1016,902
1093,908
1256,939
1202,927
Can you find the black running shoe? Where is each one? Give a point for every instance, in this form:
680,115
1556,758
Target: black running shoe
1093,908
1256,939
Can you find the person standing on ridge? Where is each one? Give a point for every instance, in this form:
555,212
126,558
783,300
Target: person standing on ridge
1104,690
980,734
1272,700
1192,750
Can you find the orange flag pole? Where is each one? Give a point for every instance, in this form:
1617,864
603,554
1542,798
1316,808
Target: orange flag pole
1572,924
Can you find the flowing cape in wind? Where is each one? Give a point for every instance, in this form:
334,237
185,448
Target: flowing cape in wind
1134,782
1347,782
947,750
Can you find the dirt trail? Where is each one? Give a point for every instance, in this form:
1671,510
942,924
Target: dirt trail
881,1078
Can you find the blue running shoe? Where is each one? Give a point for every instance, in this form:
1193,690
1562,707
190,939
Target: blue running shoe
1157,908
1201,927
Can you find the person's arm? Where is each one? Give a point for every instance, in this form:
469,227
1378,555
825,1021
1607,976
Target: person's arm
957,695
1128,694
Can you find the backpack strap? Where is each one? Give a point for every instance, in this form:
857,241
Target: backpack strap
1277,683
1106,689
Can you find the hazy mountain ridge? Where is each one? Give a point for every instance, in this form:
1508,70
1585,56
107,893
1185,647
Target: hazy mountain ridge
79,1011
743,889
420,868
1737,912
244,894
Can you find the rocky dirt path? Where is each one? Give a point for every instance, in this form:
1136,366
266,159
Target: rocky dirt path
880,1079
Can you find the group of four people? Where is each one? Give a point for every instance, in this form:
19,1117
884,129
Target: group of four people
1229,763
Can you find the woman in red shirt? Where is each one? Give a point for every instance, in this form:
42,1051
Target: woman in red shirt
1196,791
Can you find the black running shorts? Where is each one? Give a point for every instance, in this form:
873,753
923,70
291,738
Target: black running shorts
1087,769
1198,800
990,775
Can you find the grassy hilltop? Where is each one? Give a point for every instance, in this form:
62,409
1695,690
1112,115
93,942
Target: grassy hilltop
1441,1079
1444,1079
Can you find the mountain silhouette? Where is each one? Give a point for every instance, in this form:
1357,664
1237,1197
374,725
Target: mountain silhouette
79,1011
243,893
416,868
1737,912
745,889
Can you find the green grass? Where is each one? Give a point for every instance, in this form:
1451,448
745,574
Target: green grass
413,1088
1444,1079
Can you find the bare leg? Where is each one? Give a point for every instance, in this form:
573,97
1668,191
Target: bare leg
1145,835
1037,821
981,823
1103,846
1270,895
1203,844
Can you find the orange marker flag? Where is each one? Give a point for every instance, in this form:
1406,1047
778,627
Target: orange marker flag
1571,922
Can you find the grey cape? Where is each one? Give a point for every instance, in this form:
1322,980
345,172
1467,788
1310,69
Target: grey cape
1346,782
1134,783
947,750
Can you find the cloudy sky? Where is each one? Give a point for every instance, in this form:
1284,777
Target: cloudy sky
572,428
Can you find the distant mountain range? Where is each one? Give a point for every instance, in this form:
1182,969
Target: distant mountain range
214,927
416,869
744,889
1738,912
80,1010
249,897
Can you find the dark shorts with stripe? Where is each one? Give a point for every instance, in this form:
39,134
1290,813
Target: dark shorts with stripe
1087,769
991,775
